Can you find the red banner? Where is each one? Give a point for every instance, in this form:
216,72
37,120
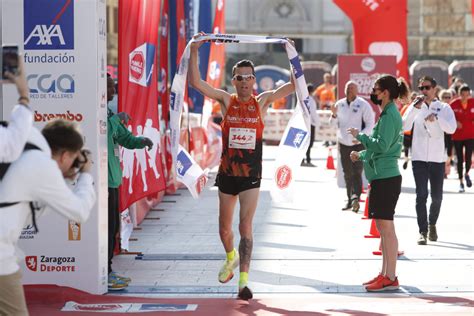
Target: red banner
217,52
216,66
181,27
164,67
380,28
363,70
138,96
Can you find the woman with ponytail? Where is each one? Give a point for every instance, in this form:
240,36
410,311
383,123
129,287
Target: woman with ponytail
380,157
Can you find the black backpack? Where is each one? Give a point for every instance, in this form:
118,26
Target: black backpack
3,170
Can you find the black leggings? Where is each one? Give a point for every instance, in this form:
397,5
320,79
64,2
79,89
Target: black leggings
114,223
467,144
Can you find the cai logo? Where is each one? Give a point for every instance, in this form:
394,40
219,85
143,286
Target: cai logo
283,177
295,137
141,64
201,183
183,163
41,84
48,25
172,100
297,69
32,263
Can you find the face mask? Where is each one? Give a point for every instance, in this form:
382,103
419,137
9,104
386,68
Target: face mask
373,98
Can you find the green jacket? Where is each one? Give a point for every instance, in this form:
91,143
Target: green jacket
384,146
118,134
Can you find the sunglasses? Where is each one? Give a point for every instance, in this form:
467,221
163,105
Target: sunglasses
421,88
446,97
243,77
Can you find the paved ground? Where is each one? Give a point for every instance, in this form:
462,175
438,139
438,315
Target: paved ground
309,257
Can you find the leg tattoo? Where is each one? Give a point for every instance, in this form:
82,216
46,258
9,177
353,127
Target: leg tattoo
245,252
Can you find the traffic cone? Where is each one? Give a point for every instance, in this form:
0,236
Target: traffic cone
366,209
379,252
373,233
330,161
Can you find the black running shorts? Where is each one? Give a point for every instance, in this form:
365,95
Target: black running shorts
383,197
235,185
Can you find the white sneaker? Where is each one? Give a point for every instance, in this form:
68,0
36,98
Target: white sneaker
227,271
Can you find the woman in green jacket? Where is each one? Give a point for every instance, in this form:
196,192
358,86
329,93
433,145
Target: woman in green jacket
380,158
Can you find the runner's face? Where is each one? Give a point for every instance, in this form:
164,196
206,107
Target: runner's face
244,87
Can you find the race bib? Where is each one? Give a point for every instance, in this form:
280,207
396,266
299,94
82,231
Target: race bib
242,138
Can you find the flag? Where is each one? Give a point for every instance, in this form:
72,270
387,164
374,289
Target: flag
216,66
370,20
163,75
138,96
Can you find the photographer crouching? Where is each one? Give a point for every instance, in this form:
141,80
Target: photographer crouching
34,182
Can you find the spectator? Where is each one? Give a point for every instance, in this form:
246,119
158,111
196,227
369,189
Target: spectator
314,123
24,183
446,96
407,135
279,104
117,134
325,96
383,148
463,138
352,111
430,119
14,134
456,83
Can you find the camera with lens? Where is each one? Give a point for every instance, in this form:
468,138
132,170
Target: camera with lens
81,160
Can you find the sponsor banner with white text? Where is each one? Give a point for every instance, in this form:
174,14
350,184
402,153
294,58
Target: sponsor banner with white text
63,46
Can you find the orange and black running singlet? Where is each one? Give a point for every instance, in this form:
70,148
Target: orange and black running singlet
242,130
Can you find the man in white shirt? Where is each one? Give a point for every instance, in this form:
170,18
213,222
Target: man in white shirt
352,112
430,119
13,137
39,176
314,124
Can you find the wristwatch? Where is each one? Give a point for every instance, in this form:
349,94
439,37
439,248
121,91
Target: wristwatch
23,100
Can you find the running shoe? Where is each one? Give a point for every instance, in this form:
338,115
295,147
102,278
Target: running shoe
468,181
245,293
115,284
348,206
432,233
383,284
355,205
377,278
227,271
422,239
461,188
120,277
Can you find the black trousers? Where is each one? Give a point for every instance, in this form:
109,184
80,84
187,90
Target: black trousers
114,223
352,170
311,141
468,145
424,172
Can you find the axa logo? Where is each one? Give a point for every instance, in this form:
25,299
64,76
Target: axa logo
32,263
295,137
48,83
183,163
48,25
141,61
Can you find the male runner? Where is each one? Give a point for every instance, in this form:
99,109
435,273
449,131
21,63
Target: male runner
240,169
